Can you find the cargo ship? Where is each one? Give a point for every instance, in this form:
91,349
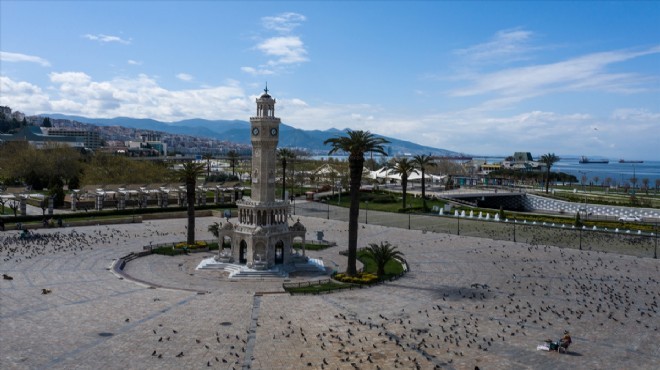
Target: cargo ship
625,161
585,160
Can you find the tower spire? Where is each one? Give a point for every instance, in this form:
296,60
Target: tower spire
266,89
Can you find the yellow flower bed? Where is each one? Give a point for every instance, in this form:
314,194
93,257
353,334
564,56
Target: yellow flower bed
360,278
198,244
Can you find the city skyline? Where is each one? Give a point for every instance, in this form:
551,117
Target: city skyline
476,77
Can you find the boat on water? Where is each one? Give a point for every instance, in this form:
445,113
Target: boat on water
626,161
585,160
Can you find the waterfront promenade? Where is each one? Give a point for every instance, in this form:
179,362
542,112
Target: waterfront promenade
466,302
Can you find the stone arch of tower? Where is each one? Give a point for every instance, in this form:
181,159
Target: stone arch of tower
260,251
279,252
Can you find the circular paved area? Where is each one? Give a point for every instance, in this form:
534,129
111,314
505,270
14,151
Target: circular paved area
467,302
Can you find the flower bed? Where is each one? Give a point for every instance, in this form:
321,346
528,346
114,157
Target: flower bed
360,278
199,246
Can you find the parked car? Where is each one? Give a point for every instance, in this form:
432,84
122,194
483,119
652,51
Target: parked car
630,219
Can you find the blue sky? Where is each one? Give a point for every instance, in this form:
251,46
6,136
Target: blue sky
485,78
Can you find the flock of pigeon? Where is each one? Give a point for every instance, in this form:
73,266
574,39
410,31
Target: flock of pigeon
545,290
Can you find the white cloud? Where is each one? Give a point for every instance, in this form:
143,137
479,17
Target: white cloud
283,23
288,49
283,50
505,46
106,38
134,62
17,57
583,73
636,115
184,77
70,78
23,96
257,72
141,97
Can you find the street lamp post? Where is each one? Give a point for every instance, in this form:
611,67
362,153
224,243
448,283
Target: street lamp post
584,175
655,250
514,229
580,238
409,219
328,203
458,224
366,212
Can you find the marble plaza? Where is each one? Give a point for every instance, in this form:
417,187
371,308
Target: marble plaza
466,302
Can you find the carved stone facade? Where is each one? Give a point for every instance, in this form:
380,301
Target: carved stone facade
262,238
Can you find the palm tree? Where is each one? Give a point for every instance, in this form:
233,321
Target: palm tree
283,154
189,174
233,158
381,255
549,159
214,229
355,143
405,168
422,162
207,157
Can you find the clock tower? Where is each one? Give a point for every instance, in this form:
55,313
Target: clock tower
262,238
264,128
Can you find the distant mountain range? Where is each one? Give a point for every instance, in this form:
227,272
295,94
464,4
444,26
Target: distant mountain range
239,132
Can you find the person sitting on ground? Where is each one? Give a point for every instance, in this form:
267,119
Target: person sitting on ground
565,341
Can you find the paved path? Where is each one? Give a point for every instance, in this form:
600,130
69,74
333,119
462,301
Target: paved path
467,302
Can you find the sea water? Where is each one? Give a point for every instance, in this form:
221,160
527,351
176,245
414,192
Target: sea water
620,173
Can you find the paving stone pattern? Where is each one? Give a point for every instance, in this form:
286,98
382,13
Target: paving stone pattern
466,302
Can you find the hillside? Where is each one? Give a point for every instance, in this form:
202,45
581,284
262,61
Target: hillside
238,131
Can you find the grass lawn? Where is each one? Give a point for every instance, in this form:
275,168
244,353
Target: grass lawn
169,251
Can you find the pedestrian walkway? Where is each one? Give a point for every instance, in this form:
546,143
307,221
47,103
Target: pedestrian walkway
466,302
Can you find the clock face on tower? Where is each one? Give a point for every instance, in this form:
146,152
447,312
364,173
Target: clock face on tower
273,131
255,131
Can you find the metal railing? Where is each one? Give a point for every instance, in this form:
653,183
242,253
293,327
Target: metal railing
641,244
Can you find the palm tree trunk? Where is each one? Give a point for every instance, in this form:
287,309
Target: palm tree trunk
190,196
423,192
404,185
355,165
547,180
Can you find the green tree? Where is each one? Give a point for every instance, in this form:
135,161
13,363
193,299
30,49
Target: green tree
405,168
578,221
284,154
46,123
381,255
422,162
105,168
549,160
355,143
189,174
